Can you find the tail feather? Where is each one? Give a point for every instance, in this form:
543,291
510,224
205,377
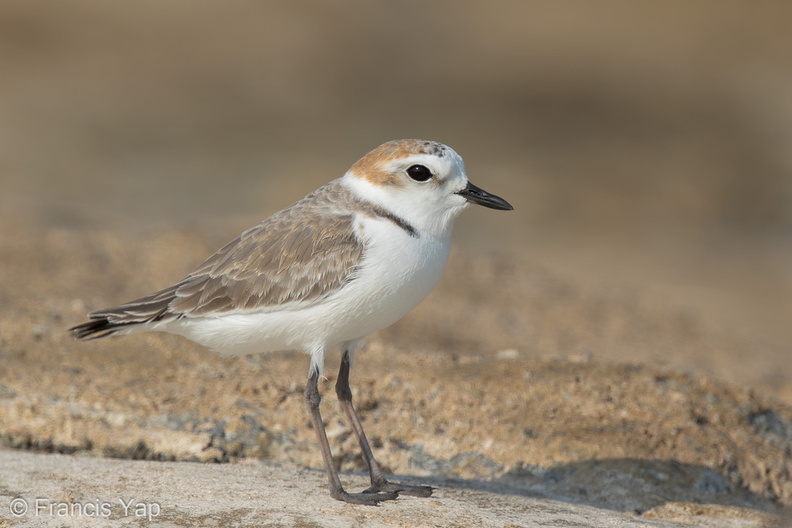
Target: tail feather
122,318
97,328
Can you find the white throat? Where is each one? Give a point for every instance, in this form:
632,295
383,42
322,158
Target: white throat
426,217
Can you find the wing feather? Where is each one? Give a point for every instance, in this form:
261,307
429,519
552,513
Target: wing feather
301,254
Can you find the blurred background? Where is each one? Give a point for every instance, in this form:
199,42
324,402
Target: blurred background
641,143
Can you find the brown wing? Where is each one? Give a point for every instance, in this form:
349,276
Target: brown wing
300,254
291,257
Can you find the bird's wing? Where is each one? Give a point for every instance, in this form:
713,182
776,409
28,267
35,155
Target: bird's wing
301,254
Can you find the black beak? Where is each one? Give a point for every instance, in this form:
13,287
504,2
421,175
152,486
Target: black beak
477,195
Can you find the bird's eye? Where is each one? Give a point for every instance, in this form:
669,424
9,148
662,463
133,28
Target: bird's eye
419,173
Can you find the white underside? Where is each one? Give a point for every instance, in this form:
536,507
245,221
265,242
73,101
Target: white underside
397,273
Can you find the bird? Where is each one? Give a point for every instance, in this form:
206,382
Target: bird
348,259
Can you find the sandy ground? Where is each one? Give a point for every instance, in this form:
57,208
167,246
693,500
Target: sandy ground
440,392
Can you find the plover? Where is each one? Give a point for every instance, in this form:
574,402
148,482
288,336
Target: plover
350,258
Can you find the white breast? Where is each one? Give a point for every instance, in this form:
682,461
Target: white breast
398,272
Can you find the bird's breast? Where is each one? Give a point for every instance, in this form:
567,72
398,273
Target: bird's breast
397,272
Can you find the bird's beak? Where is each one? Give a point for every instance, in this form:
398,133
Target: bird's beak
477,195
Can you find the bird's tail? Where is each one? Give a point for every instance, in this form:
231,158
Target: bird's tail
126,317
98,327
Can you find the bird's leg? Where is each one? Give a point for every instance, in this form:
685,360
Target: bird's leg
313,398
378,481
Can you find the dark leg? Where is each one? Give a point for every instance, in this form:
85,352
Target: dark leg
313,398
378,482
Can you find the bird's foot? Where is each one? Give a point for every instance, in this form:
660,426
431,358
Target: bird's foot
366,498
396,487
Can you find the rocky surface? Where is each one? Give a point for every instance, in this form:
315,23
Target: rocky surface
56,490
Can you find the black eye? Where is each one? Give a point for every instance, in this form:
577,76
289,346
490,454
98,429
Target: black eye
419,173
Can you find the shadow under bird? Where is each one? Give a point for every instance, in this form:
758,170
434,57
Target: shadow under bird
350,258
